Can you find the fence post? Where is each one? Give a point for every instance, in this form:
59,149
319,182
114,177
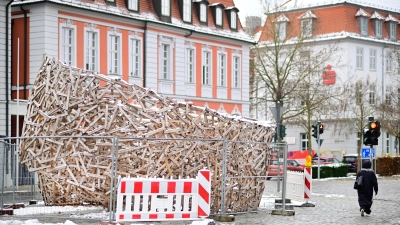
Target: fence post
3,154
224,152
114,166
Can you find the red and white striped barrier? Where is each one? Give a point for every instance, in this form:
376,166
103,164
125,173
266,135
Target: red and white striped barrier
156,199
307,182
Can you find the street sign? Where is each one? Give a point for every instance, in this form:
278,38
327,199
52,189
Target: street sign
365,153
320,141
274,111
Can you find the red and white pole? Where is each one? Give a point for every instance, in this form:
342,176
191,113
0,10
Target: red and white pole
307,182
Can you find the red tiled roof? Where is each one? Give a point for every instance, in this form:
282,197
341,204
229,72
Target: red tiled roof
332,19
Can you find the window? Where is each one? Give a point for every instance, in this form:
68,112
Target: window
134,58
363,26
387,143
91,51
392,30
165,69
388,95
203,13
206,79
190,65
133,5
306,27
187,10
67,45
359,58
114,53
236,72
378,28
233,20
372,95
389,63
304,141
222,70
281,29
372,60
218,16
165,7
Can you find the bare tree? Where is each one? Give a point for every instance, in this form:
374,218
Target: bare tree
288,65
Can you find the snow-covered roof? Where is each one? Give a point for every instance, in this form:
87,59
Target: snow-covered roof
377,16
147,16
282,18
307,15
391,18
361,12
232,7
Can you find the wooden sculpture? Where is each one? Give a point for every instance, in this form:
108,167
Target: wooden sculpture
71,102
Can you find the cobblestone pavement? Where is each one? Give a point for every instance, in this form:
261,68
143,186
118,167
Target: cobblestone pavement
335,203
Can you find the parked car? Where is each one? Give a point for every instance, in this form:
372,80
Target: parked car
273,167
351,161
324,160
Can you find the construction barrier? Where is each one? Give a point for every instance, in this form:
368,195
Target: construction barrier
295,185
307,182
157,199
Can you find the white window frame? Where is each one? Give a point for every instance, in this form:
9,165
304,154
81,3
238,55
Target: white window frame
281,29
166,7
378,28
233,20
165,61
371,95
304,141
218,16
114,55
306,27
92,50
236,71
392,30
68,47
388,95
135,59
372,60
222,74
187,10
388,65
206,76
133,5
359,58
190,65
364,25
387,143
203,13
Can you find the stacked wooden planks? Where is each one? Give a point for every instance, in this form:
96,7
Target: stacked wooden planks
158,137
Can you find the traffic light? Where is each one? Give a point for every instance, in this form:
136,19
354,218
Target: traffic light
372,134
375,129
282,131
367,140
314,131
321,128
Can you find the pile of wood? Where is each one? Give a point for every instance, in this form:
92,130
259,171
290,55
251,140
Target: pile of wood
157,136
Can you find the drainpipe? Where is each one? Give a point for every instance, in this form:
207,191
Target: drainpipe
7,62
383,77
144,53
25,49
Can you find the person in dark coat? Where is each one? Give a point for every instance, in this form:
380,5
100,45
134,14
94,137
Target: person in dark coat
366,191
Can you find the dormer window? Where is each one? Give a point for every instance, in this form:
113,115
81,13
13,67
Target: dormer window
307,23
217,14
391,23
133,5
233,20
165,7
218,17
185,8
232,17
203,13
110,2
377,24
362,18
280,27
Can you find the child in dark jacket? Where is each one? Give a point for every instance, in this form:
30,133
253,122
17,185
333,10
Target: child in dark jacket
366,190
